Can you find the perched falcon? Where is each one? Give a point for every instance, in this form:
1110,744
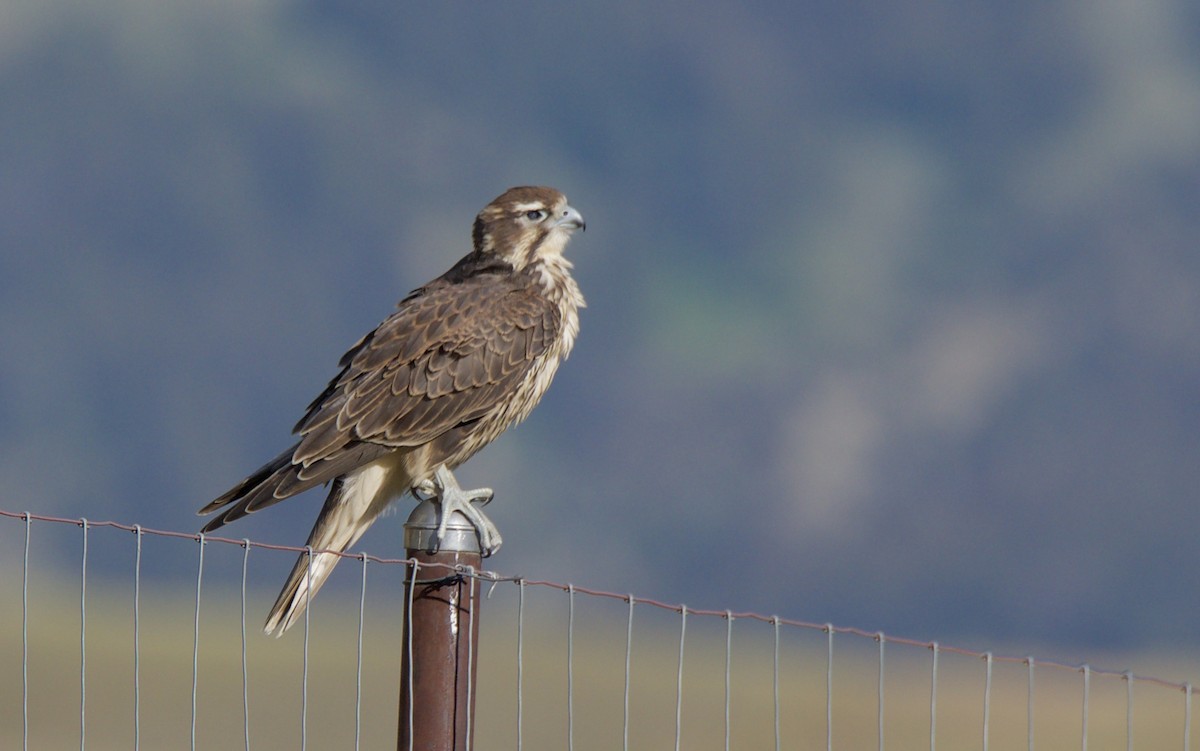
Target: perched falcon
460,360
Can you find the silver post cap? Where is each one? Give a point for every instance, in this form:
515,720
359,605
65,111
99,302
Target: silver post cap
420,531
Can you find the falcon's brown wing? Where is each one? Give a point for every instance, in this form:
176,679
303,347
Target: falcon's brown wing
452,353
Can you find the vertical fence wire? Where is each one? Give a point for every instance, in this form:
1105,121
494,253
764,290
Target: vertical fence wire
245,662
137,638
196,636
1087,686
25,636
473,590
933,681
1187,717
829,687
83,640
308,596
628,666
1029,705
683,611
880,637
358,666
987,699
728,666
571,667
775,679
520,663
408,646
1128,678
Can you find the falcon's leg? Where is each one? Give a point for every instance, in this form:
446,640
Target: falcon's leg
453,498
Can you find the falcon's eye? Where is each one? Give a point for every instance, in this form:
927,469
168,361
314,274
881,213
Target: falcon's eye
536,215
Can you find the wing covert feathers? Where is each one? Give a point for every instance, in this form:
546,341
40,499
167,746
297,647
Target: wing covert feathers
451,354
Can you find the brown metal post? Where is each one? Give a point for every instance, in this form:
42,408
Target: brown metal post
441,636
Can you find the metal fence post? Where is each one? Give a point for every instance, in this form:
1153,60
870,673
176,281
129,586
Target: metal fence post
437,673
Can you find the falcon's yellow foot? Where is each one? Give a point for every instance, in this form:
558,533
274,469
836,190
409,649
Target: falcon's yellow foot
445,489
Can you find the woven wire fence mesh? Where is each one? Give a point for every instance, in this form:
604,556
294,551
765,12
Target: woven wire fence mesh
137,661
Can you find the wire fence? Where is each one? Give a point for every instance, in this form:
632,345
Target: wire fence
140,661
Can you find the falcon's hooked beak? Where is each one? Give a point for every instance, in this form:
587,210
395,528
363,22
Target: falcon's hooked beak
570,220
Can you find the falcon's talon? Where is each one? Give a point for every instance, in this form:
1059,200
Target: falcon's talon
450,497
425,490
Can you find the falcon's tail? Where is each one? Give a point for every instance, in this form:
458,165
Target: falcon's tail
284,477
354,503
256,491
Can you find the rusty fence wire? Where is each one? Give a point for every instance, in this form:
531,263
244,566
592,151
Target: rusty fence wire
141,660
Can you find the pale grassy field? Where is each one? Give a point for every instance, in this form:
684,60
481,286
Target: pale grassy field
275,678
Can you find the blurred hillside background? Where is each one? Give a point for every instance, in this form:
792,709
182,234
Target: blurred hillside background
894,313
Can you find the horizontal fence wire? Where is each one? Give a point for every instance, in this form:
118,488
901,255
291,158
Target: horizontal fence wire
704,694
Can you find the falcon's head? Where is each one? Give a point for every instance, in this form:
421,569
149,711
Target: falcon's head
526,224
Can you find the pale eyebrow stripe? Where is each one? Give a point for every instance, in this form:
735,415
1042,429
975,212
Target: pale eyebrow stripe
535,206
